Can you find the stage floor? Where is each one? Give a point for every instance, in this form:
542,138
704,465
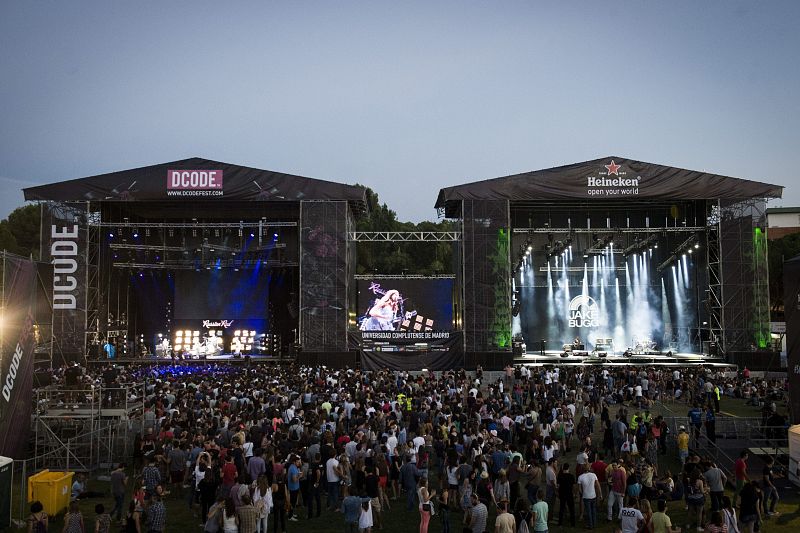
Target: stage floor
553,357
226,357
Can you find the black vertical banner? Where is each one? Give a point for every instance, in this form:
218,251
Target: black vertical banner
791,303
64,245
16,355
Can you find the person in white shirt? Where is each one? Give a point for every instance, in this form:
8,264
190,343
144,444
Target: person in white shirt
591,493
391,442
631,518
332,474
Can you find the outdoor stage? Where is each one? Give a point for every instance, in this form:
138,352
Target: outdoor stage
601,254
553,357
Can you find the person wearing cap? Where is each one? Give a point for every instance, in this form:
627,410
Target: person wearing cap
683,444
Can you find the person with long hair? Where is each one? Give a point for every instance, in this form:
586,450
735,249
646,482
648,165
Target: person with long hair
262,500
73,520
383,313
647,512
133,518
729,515
230,522
425,509
347,474
716,524
280,499
383,480
444,510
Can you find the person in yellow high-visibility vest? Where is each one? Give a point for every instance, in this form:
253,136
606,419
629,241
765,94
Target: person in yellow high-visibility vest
717,395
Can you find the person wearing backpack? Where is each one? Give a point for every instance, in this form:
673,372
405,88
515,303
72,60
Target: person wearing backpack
523,517
38,520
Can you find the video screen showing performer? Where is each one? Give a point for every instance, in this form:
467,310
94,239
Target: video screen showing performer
404,305
386,313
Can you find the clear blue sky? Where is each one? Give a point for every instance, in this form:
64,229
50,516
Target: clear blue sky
405,97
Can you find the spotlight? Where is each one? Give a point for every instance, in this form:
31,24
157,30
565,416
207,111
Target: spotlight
274,235
135,234
696,245
110,235
252,235
690,250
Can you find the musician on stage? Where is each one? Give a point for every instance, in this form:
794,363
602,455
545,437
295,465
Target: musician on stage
383,314
109,349
576,343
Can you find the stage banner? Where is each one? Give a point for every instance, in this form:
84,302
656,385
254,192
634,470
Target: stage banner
791,306
64,246
407,350
16,355
324,275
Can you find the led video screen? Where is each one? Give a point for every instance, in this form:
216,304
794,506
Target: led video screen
221,294
610,302
404,305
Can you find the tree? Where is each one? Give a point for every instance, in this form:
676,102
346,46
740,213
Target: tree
19,233
7,240
423,258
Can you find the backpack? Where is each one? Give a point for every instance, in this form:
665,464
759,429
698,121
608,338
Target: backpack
39,527
523,523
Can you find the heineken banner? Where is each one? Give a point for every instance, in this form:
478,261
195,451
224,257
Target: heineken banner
16,355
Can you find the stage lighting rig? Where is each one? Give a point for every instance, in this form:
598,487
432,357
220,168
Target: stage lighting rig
599,246
641,245
687,246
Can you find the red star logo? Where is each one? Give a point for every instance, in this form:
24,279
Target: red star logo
612,168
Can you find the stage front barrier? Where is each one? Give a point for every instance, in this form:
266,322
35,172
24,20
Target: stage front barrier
760,360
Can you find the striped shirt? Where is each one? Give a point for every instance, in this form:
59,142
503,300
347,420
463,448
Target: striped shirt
478,516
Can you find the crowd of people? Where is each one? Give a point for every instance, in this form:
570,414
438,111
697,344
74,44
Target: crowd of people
245,446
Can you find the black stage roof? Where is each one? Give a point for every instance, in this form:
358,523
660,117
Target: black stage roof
229,182
607,178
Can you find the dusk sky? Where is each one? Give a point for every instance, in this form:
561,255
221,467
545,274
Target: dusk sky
404,97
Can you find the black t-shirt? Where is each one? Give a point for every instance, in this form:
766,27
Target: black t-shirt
566,482
109,375
72,374
767,473
372,485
